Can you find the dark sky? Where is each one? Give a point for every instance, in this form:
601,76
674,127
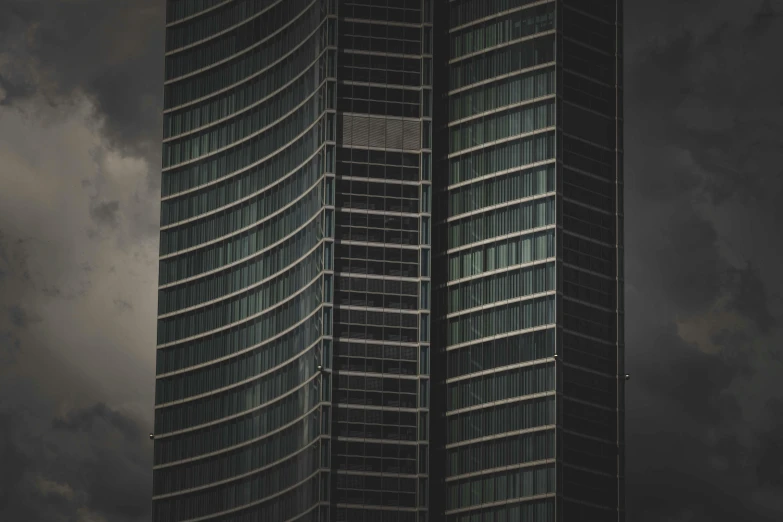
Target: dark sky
80,95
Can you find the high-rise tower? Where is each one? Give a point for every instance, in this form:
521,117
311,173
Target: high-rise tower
243,370
529,300
391,262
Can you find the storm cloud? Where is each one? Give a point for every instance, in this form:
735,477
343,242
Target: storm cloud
703,156
80,99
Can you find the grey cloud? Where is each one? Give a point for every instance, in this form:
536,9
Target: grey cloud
692,381
106,213
123,305
702,161
769,449
5,264
750,297
686,249
12,89
110,51
764,19
117,481
85,420
10,345
697,91
688,457
15,462
20,317
91,461
67,452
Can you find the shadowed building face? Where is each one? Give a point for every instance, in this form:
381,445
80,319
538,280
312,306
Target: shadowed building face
531,257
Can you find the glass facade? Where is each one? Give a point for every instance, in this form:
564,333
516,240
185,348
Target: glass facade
529,287
499,285
391,262
382,280
242,415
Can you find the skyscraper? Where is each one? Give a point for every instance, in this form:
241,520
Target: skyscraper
530,251
391,262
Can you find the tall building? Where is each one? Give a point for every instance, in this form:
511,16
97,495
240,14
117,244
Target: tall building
529,302
391,262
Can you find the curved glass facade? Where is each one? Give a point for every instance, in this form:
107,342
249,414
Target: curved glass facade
242,416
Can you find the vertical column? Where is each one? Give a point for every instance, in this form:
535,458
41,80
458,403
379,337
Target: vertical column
326,361
592,222
382,235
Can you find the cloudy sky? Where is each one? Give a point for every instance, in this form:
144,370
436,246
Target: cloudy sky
80,96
